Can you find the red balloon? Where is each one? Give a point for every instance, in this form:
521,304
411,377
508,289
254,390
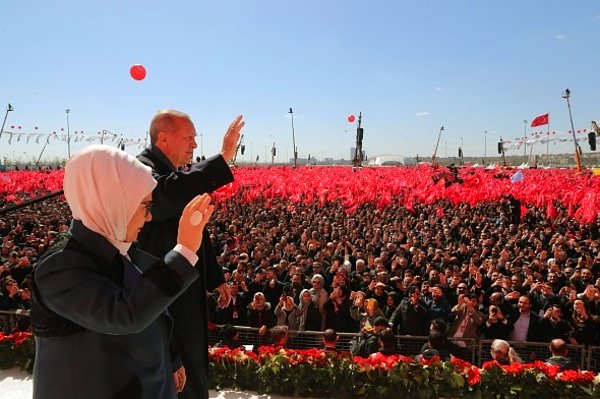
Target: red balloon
351,118
137,71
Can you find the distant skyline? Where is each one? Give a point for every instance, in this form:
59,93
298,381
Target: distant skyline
410,67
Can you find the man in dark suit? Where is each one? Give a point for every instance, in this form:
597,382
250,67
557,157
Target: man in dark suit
173,140
330,338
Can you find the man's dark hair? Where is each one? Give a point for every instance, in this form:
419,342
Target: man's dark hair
438,325
436,339
387,338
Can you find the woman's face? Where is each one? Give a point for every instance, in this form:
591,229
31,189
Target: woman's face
579,306
306,298
289,302
259,301
142,215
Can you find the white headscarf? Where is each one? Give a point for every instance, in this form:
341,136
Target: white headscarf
104,187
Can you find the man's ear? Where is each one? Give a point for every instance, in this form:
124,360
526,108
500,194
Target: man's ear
161,140
162,137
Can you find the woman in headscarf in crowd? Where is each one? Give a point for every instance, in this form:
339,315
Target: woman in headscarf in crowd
287,313
391,303
99,303
503,353
319,296
260,314
310,317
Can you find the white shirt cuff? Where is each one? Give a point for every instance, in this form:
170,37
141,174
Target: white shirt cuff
187,254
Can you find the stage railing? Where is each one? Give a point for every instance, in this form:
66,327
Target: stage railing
475,351
9,318
532,351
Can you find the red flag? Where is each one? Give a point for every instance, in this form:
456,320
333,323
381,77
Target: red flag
540,120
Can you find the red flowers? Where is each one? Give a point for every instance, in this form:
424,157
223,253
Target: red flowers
16,339
577,377
467,370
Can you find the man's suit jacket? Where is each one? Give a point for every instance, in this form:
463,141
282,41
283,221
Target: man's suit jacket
189,312
474,320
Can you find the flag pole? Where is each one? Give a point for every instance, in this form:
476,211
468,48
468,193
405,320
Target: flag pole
548,142
566,95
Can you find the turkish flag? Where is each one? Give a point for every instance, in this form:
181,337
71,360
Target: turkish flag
540,120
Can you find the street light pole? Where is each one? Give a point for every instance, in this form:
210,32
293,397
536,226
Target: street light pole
8,109
68,135
293,138
485,146
566,95
525,137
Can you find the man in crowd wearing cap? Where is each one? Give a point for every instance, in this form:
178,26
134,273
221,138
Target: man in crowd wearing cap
378,293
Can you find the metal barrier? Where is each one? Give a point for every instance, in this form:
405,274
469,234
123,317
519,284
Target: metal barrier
473,350
10,318
593,358
409,345
532,351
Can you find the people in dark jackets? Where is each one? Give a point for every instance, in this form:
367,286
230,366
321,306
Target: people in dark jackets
496,326
558,349
368,340
387,343
330,338
554,326
410,317
229,337
99,306
234,312
259,314
172,138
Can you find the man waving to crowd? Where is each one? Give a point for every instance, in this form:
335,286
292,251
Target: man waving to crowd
173,140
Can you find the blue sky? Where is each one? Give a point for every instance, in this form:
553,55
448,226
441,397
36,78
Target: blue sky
408,66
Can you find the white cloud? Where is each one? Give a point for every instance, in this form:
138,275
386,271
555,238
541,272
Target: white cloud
561,37
423,113
439,88
598,16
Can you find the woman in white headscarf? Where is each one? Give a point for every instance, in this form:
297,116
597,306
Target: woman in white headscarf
99,304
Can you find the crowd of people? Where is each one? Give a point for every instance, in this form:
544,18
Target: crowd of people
484,270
